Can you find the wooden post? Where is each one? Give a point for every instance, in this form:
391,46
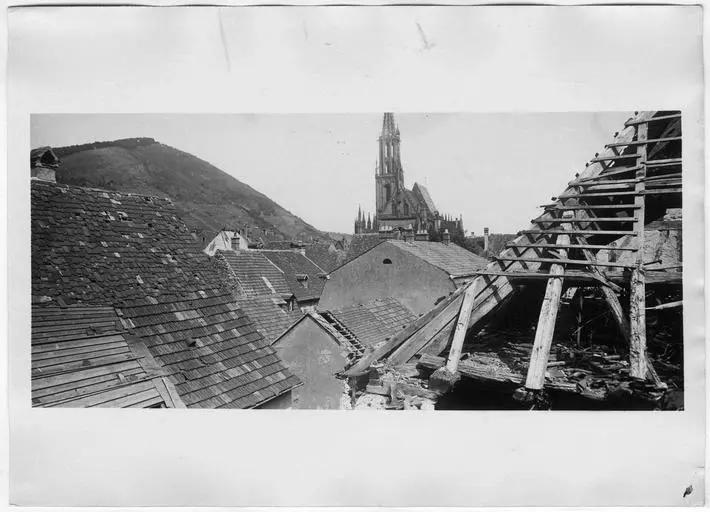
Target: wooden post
580,318
637,345
462,326
637,341
548,316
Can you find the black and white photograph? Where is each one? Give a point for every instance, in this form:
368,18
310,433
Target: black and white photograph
162,280
392,256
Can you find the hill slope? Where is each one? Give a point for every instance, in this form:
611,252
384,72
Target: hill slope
207,198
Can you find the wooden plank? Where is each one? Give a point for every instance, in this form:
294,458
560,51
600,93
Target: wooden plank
574,246
78,365
557,206
547,319
462,325
668,305
612,171
74,342
642,142
150,394
612,158
54,359
584,220
578,232
41,382
569,261
418,340
53,396
82,383
637,347
41,355
110,395
594,194
664,163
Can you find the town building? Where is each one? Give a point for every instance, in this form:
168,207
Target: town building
417,273
319,346
131,254
304,278
397,206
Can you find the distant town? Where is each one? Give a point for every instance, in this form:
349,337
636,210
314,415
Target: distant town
159,281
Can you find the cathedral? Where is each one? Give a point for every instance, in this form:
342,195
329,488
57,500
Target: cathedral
398,207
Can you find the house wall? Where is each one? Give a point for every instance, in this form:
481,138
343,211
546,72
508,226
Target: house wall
412,281
314,357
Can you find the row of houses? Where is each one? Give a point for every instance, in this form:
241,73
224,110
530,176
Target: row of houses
585,304
129,310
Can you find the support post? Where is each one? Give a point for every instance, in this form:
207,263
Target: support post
462,326
637,315
546,322
637,345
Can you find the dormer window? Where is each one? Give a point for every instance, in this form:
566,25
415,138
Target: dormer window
303,279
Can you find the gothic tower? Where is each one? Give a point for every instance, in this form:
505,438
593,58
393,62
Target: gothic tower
389,177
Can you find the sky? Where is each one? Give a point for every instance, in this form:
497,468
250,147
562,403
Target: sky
494,169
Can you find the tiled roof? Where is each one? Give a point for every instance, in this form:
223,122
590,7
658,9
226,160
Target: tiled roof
450,258
279,245
325,255
132,252
305,279
375,321
255,274
270,319
362,243
81,358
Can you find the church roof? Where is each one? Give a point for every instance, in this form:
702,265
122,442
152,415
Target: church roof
132,252
423,194
450,258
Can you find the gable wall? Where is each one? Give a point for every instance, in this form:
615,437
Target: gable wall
315,357
412,281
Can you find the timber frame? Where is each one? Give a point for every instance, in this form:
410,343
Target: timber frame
570,244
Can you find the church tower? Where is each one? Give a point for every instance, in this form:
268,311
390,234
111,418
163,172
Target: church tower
389,177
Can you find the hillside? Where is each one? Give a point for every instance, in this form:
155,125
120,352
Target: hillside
207,198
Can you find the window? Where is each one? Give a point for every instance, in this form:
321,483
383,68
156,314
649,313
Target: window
388,192
386,261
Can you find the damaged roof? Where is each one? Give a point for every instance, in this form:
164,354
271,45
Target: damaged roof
270,319
305,279
134,253
255,275
81,357
375,321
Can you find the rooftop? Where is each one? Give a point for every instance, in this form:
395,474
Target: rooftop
305,279
133,252
375,321
255,275
450,258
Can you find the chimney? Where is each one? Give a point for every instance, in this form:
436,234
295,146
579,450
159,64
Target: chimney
485,239
422,235
44,164
408,234
446,237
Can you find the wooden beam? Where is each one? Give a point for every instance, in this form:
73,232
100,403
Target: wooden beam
642,142
567,261
663,163
637,342
595,194
461,327
557,206
546,323
585,220
635,122
433,326
574,246
579,232
364,363
637,347
612,158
